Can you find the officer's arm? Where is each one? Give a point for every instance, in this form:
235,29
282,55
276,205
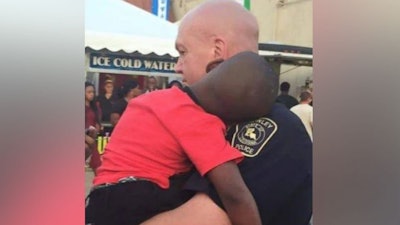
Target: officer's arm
236,197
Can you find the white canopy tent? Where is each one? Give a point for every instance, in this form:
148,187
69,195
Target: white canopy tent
121,38
116,25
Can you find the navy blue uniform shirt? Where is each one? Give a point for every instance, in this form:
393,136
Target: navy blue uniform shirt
277,168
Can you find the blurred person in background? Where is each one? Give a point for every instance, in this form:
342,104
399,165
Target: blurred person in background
175,83
305,111
129,90
284,98
90,141
107,99
92,126
152,85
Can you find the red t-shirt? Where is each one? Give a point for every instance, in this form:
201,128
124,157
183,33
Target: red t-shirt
161,134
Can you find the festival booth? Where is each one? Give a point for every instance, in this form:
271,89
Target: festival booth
121,40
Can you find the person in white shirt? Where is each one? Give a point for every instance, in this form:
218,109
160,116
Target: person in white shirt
305,111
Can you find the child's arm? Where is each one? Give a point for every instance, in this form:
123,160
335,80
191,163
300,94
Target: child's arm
236,197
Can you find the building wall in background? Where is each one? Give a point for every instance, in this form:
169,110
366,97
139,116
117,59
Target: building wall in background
294,24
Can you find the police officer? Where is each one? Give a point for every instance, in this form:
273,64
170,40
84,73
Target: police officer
277,167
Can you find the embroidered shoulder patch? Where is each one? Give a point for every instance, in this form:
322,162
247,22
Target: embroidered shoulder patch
251,137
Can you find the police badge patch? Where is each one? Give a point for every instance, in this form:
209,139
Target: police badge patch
252,136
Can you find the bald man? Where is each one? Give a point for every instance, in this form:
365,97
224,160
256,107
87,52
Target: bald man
278,152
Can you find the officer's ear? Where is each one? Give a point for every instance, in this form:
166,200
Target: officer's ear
219,48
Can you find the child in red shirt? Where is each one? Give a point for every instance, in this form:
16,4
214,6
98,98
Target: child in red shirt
163,134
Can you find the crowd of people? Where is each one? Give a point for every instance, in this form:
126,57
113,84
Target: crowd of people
223,149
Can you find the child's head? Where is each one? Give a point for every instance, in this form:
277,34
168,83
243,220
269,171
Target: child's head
243,87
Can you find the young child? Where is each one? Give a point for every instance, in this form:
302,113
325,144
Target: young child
164,135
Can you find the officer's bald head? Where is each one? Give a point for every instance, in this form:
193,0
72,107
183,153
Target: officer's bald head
227,20
215,30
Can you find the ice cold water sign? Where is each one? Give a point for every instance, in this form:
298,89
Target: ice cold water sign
120,62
